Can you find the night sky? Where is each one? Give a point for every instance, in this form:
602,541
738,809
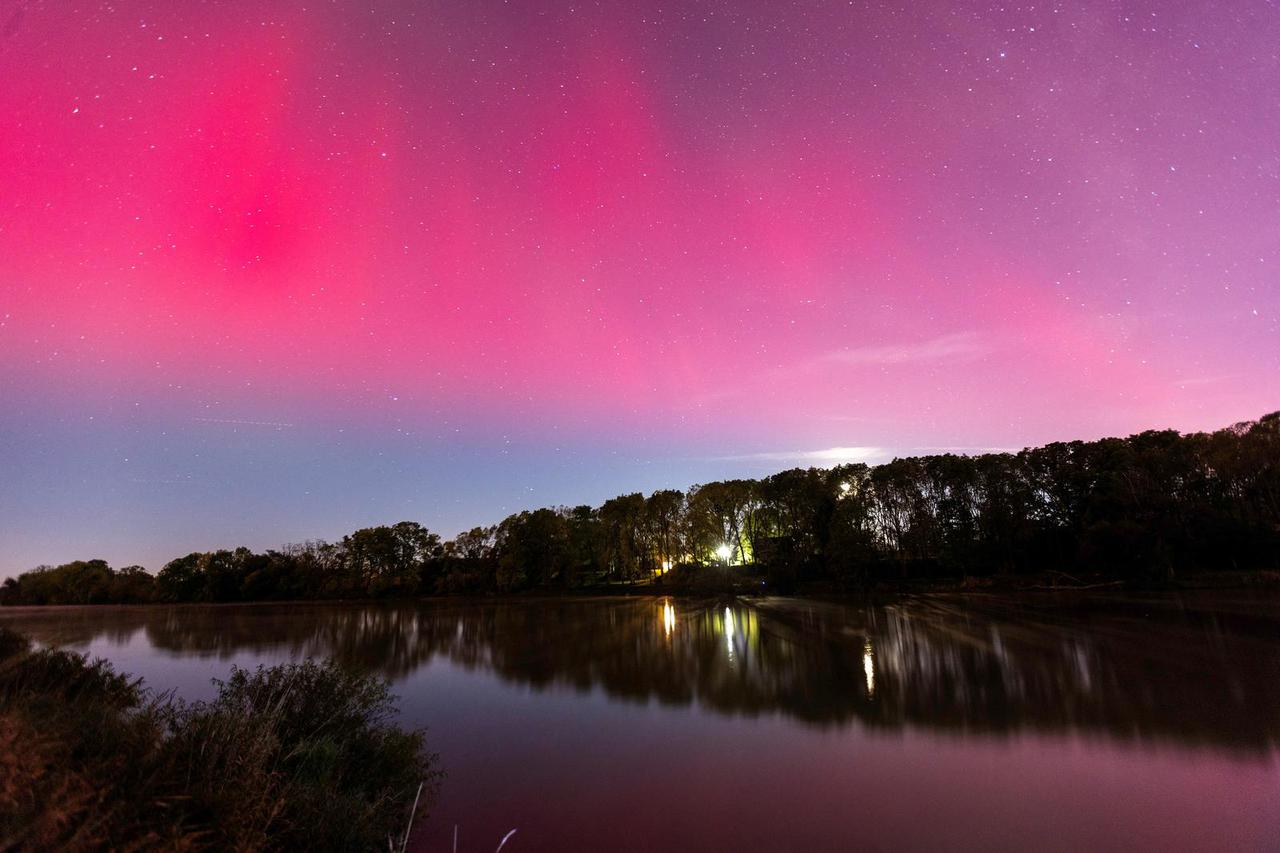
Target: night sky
275,271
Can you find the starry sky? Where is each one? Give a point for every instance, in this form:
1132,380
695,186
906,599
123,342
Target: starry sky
275,271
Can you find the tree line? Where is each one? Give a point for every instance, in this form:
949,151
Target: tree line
1142,508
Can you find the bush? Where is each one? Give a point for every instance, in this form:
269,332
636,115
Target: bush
301,756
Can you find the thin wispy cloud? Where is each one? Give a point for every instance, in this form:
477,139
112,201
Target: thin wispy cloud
239,422
958,450
827,456
950,346
1198,381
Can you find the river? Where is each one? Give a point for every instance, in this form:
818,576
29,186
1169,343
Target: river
1049,722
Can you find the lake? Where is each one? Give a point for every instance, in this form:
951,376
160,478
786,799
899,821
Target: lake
1049,722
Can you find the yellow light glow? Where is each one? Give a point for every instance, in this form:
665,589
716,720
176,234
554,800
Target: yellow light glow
666,565
724,552
668,617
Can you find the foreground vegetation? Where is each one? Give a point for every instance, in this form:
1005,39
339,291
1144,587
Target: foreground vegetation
1143,508
298,757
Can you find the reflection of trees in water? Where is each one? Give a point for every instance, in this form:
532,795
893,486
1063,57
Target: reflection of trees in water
1198,669
1133,668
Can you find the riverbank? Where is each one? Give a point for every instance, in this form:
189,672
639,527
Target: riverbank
748,582
744,581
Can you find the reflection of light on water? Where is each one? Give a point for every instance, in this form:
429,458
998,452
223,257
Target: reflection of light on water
668,617
728,630
869,668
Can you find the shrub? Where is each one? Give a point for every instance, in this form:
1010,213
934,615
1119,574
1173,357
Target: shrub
300,756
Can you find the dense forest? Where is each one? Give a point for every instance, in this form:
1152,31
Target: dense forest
1141,509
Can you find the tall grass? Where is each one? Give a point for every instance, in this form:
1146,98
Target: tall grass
299,757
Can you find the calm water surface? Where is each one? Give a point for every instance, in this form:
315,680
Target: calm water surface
645,724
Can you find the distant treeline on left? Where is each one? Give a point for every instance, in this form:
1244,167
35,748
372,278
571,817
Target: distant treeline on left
374,562
394,560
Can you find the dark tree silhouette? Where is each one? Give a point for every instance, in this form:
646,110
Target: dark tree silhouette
1140,509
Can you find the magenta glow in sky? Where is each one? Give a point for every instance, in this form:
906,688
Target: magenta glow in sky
276,271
